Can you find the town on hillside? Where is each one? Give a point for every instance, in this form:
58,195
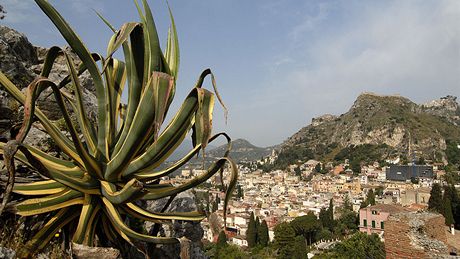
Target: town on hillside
383,200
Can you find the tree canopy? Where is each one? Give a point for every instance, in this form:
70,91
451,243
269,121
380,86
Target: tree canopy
284,238
360,245
306,226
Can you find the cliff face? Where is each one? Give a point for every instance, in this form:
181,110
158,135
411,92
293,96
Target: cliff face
445,107
22,62
393,121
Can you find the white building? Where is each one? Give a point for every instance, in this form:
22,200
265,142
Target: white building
239,241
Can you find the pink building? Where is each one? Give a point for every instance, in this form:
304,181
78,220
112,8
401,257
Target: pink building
372,218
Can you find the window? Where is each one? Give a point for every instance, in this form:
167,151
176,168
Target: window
381,225
365,222
373,224
374,212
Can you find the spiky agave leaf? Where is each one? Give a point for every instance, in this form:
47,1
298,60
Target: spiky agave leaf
111,165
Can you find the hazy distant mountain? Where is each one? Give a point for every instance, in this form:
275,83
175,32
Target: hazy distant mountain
242,151
386,125
184,148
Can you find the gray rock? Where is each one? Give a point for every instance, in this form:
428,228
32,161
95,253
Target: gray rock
6,253
22,63
184,202
17,54
20,45
47,102
86,252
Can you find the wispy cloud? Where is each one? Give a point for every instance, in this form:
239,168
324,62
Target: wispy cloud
405,47
410,48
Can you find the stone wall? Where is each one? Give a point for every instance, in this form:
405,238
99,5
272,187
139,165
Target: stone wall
415,235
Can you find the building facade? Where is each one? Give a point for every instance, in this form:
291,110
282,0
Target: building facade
372,219
407,172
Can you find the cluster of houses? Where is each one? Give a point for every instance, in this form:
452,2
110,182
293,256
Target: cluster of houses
282,195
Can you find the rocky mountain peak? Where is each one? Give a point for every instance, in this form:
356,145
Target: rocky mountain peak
388,123
448,103
446,107
369,100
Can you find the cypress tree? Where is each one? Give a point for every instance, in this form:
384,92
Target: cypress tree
262,234
257,224
323,217
347,206
215,206
454,198
221,243
448,212
435,202
222,239
239,192
330,215
251,233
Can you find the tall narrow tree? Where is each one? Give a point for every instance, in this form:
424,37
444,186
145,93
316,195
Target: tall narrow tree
435,202
347,205
323,217
221,239
239,192
251,233
454,198
257,224
448,215
330,215
215,206
221,243
262,234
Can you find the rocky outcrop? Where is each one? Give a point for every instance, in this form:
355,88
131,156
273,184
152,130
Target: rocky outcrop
445,107
192,231
17,55
21,62
322,119
415,235
376,120
6,253
86,252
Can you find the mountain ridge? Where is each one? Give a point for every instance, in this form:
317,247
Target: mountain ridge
393,121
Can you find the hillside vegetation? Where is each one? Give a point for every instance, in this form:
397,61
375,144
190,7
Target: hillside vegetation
376,128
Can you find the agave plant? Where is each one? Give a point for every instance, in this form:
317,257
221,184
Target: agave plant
107,167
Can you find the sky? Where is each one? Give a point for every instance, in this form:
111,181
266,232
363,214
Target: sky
280,63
